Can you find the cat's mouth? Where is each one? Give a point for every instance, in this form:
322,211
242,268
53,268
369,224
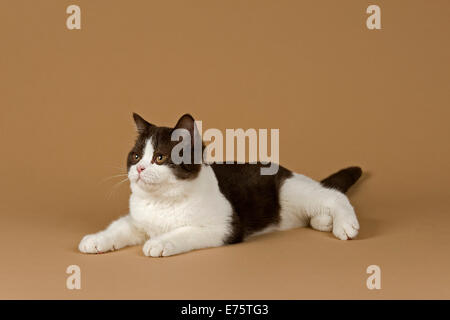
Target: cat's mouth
139,179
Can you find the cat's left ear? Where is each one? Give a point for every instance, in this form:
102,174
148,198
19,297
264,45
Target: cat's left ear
141,123
187,122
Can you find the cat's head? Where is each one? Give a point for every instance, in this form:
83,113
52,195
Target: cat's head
150,162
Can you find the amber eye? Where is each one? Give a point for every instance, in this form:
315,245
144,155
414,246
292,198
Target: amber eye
160,159
136,157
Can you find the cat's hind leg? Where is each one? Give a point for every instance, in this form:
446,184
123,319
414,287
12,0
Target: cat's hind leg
303,199
322,222
119,234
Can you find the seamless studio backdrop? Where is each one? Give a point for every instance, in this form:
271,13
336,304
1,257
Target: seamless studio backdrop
340,94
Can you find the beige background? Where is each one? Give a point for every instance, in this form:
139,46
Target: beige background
340,94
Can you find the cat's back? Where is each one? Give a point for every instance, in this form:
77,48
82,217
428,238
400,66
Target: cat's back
247,175
253,196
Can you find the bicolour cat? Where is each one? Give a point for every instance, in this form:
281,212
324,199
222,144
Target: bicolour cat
177,208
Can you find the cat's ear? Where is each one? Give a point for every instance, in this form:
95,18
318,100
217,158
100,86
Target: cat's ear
187,122
140,122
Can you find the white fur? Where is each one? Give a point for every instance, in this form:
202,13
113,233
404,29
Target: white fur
176,215
173,216
304,200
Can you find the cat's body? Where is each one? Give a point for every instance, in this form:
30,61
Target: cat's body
179,208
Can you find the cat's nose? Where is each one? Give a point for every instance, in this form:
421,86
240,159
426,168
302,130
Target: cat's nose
140,169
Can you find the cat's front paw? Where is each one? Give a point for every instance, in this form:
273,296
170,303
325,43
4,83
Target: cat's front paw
95,243
159,248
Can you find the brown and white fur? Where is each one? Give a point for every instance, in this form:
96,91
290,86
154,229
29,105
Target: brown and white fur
176,208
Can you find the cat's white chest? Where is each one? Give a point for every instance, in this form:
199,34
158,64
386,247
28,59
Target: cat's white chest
156,218
200,204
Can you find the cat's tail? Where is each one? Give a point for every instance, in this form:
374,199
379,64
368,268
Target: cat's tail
343,179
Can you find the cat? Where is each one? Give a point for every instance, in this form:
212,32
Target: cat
176,208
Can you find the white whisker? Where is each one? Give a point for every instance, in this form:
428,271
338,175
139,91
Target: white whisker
115,187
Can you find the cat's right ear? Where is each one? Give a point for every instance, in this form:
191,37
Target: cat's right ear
140,122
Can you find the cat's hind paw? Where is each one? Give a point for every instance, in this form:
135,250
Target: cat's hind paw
322,222
345,228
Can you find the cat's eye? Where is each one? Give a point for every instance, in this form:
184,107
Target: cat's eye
160,159
136,157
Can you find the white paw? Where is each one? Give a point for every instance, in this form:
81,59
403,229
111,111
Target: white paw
95,243
322,222
345,226
159,248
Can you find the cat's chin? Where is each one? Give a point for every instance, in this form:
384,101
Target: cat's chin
144,185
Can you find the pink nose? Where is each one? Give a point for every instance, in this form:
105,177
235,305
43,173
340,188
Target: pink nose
140,169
